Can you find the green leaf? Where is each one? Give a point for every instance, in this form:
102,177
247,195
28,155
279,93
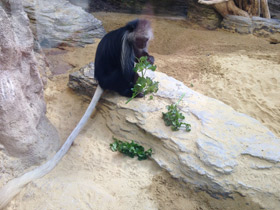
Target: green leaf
131,149
173,117
114,146
143,85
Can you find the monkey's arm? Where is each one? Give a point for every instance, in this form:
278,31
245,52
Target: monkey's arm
151,59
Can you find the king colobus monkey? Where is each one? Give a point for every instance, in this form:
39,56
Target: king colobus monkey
117,52
114,62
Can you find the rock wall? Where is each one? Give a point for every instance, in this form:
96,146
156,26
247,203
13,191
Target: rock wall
58,22
225,152
203,15
26,135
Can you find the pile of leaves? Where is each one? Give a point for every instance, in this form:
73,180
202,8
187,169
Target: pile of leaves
174,118
144,85
131,149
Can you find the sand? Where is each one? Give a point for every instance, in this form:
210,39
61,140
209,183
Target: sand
243,71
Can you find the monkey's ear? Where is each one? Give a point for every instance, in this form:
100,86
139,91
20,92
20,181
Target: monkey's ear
132,25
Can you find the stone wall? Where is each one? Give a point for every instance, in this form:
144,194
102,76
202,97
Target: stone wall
26,135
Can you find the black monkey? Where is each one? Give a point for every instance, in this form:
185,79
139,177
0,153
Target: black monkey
117,52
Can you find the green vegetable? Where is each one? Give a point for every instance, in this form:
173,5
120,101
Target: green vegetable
173,117
144,85
131,149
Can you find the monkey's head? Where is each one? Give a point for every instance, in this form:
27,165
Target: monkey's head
136,38
142,34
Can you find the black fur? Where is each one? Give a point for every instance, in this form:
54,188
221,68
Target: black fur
108,67
114,60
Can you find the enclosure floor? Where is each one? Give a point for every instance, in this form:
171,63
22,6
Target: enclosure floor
243,71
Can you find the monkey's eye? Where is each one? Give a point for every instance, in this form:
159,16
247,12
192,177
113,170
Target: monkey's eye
141,39
141,42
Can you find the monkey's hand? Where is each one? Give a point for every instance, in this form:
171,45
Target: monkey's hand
151,59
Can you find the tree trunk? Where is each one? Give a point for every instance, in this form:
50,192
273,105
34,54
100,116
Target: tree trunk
229,8
255,8
265,9
244,8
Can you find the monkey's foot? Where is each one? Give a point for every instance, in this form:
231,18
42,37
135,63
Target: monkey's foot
140,95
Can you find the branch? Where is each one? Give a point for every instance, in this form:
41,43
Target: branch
210,2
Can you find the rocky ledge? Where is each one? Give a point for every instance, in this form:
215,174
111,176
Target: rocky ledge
225,152
256,25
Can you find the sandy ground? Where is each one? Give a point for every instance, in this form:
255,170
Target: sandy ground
241,70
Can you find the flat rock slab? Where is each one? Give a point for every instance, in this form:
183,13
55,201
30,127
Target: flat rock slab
225,152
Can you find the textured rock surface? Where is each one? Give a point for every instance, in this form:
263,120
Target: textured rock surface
225,152
255,25
56,22
26,136
83,80
205,16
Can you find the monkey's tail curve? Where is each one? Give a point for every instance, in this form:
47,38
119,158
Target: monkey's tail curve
13,187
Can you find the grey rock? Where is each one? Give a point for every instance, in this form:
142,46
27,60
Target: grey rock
238,24
58,22
225,152
264,27
85,4
255,25
83,81
26,135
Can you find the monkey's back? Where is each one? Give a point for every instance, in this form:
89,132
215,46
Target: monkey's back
114,60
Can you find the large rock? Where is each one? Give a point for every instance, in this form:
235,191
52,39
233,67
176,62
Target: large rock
226,152
56,22
83,81
258,26
238,24
255,25
26,135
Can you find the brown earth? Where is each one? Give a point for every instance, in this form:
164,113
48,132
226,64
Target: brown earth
243,71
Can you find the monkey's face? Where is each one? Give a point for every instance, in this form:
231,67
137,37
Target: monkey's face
141,42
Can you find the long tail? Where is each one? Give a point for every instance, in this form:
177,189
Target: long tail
13,187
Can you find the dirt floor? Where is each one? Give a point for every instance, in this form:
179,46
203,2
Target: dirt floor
243,71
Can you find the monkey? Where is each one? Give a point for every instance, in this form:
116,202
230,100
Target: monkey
115,57
118,51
